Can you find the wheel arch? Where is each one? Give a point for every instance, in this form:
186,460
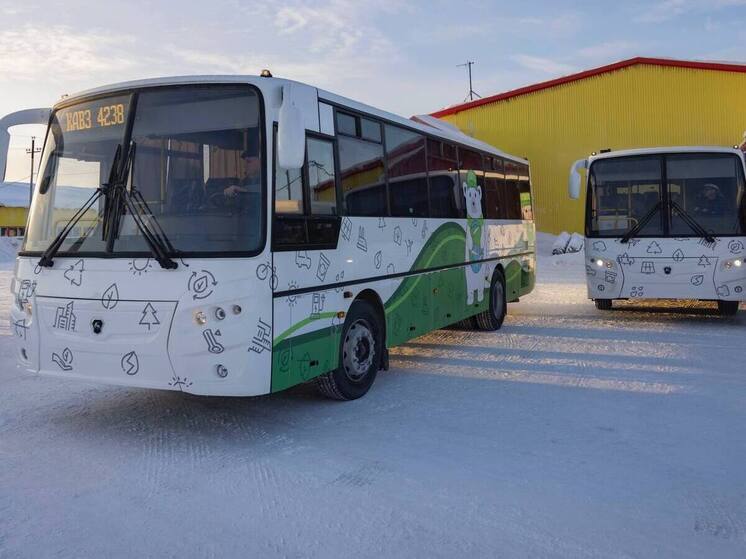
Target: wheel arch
371,297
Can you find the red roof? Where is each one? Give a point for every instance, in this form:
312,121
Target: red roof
723,67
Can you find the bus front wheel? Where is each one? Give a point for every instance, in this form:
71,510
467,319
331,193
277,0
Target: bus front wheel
727,308
361,353
603,304
492,319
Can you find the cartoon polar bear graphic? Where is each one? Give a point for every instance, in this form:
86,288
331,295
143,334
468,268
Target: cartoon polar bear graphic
474,238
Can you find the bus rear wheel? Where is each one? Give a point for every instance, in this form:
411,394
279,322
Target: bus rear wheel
727,308
361,353
603,304
492,319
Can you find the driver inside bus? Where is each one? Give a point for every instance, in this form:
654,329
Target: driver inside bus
253,168
710,201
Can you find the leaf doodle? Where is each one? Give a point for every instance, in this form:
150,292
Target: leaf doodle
130,363
110,298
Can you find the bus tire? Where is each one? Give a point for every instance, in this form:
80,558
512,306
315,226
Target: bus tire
727,308
492,319
603,304
361,354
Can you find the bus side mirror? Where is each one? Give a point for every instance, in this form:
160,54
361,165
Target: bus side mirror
291,137
573,184
28,116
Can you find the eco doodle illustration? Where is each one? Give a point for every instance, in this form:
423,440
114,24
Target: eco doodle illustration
202,284
74,273
110,298
64,359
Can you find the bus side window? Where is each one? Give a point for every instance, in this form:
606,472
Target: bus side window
306,200
494,184
512,194
445,189
471,173
321,176
524,188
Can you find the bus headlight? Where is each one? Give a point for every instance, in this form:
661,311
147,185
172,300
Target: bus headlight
601,263
733,263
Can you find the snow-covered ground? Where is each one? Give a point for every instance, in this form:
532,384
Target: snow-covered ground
570,433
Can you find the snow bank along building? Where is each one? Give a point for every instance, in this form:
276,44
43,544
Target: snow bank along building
640,102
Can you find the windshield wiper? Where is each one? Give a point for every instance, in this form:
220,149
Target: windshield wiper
692,223
47,256
640,224
156,238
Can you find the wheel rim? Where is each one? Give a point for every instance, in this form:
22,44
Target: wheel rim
358,350
497,299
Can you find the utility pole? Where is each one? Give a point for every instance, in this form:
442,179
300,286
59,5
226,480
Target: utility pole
472,93
33,151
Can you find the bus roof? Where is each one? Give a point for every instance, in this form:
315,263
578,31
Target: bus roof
663,150
426,124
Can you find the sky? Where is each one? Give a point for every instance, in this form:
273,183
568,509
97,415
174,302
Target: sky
397,55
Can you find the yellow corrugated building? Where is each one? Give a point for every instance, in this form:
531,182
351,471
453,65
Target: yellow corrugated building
641,102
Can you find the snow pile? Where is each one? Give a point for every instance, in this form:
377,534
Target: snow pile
566,242
9,247
566,267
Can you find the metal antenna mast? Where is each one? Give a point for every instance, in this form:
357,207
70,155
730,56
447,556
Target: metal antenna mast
468,64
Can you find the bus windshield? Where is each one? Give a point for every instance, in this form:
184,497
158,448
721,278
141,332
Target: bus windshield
667,195
197,165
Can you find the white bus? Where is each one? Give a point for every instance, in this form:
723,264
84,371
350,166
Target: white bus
664,223
241,235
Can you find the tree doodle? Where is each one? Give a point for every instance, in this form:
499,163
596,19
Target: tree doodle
149,317
64,360
266,271
201,284
704,261
302,260
74,273
625,260
130,363
110,298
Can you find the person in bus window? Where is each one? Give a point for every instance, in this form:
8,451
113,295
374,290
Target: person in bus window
245,184
710,201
